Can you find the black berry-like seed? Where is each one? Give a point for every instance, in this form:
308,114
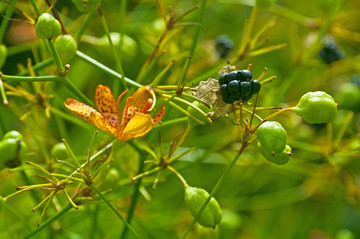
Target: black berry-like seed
244,75
234,88
223,91
255,86
245,89
231,76
223,45
246,98
222,79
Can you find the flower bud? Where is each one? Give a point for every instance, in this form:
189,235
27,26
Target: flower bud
66,46
3,54
316,108
12,152
59,151
349,97
47,26
194,200
13,134
272,137
280,158
86,5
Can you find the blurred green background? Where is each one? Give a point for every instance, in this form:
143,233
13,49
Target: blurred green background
316,195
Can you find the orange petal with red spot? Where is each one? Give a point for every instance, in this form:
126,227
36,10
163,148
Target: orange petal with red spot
106,104
159,115
138,126
81,110
100,122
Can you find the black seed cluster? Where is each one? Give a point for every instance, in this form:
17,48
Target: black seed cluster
331,52
223,45
238,85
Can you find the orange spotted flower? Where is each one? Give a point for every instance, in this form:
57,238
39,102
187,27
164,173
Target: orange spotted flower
135,122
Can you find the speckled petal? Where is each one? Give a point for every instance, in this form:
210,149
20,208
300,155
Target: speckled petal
100,122
159,115
106,104
81,110
138,126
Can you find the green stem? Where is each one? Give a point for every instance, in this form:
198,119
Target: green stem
136,193
36,67
217,186
196,36
84,25
30,78
36,8
105,69
96,190
117,59
2,92
55,55
94,222
5,20
46,223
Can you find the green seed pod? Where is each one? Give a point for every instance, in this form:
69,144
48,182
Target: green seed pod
13,134
197,114
3,54
129,47
316,108
86,5
66,46
12,152
280,158
272,136
349,97
59,151
264,4
47,26
194,200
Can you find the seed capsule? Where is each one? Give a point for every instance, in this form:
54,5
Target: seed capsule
194,200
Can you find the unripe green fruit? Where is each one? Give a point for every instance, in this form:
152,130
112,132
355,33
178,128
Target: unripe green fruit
197,114
86,5
349,97
316,108
66,46
47,26
280,158
264,4
129,46
12,152
13,134
59,151
194,200
3,54
272,136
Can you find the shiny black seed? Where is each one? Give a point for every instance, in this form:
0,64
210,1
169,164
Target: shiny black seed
222,79
234,88
245,88
255,86
223,91
244,75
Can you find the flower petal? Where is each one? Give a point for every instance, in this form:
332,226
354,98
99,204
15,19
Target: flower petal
159,115
138,126
106,104
141,98
81,110
100,122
